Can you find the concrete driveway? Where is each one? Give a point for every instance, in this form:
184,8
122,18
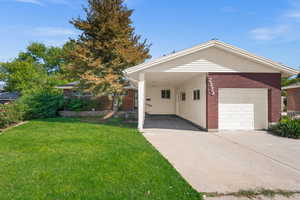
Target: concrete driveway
230,161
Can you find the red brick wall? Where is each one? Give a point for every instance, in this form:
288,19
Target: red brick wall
106,103
293,99
128,101
272,81
68,93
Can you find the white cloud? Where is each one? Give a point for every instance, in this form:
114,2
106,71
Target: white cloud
44,2
52,31
286,28
270,33
37,2
293,14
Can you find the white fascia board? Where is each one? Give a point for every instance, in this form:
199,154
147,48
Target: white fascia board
259,59
67,87
168,58
214,43
291,87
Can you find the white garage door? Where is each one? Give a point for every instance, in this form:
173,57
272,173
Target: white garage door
243,109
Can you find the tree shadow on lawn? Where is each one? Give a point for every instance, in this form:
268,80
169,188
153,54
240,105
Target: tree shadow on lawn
114,122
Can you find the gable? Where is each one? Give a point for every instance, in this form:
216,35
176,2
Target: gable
212,59
212,56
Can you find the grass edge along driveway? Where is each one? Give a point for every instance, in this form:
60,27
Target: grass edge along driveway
67,159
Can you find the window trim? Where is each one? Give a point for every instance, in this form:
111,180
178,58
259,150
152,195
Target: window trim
165,94
183,96
196,94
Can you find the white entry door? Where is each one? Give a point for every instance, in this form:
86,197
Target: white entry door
243,109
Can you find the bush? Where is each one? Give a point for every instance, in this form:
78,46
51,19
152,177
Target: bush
75,104
287,128
42,103
84,104
11,114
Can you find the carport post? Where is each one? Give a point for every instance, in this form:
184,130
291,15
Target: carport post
141,99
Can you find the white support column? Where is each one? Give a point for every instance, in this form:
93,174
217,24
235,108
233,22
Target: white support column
141,98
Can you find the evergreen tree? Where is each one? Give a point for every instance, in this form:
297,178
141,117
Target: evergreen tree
108,45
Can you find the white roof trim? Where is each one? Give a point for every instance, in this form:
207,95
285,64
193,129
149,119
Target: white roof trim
213,43
291,87
130,88
72,87
64,87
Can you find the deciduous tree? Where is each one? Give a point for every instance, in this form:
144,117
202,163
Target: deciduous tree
37,67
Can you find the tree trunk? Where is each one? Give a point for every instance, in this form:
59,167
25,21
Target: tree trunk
115,104
114,108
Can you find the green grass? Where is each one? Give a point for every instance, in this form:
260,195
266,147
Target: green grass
67,159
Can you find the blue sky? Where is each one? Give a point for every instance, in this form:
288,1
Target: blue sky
268,28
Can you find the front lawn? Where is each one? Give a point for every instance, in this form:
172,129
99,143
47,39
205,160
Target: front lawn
66,159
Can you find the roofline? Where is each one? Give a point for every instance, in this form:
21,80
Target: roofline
291,87
208,44
130,88
64,87
72,87
7,99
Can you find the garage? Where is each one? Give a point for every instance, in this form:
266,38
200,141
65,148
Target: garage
243,109
214,85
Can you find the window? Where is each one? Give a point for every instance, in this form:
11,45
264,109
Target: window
166,94
196,94
183,96
77,93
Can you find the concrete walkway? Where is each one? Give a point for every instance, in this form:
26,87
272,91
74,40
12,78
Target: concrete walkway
230,161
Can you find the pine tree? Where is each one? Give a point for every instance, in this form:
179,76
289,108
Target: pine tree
108,45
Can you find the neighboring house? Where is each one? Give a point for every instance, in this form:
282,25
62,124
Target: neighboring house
6,97
213,85
293,98
1,87
129,100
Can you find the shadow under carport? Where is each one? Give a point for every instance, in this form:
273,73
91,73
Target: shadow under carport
168,122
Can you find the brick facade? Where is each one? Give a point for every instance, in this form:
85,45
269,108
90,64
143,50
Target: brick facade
68,93
106,103
272,81
128,101
293,100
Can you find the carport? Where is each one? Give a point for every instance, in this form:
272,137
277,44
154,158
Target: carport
168,122
174,100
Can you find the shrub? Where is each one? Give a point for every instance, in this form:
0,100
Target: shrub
287,128
75,104
11,114
42,103
84,104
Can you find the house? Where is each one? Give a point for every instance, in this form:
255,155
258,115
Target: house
1,87
293,98
214,85
7,97
129,101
